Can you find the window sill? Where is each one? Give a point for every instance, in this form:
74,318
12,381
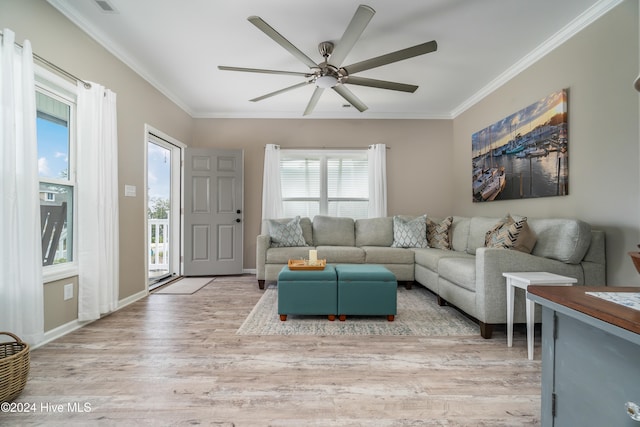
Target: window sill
58,272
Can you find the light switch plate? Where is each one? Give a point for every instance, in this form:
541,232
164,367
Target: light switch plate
130,190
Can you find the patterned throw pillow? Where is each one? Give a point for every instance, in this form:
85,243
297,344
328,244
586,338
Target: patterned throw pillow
286,234
438,233
410,233
511,234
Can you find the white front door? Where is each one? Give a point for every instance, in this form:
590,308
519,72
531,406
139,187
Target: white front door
213,211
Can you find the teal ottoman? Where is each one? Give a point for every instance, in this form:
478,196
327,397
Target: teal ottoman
365,289
307,292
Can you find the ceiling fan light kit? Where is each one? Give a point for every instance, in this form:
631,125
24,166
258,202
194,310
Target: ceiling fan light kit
330,74
326,82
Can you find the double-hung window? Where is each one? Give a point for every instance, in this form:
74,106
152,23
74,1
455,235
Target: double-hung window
323,182
55,127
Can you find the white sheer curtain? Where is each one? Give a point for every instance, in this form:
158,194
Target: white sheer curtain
97,202
21,288
271,186
377,155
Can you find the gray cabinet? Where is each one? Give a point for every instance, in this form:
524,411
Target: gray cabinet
590,357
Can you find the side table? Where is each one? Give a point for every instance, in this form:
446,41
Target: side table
522,280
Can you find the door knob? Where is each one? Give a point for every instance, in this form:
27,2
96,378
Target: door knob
238,220
238,211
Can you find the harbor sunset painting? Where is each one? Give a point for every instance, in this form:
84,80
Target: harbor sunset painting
524,155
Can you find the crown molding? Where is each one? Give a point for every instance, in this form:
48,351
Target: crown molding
571,29
106,42
578,24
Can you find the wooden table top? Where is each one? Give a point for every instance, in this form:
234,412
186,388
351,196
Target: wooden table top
575,297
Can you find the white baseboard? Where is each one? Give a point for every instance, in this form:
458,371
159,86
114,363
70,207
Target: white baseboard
63,330
131,299
249,271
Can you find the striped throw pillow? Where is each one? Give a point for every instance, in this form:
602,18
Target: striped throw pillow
438,233
511,234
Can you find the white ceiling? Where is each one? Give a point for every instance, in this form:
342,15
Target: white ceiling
177,45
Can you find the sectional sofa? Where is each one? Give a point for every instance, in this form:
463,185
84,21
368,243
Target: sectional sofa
461,259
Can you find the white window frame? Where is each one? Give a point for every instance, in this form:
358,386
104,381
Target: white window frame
56,87
323,156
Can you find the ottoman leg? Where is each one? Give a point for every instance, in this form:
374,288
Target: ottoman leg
342,317
390,317
332,317
283,317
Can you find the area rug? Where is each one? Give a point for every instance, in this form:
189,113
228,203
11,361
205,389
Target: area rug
418,315
185,286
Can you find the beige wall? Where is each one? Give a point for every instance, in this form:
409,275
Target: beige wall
429,161
57,311
54,38
418,161
598,67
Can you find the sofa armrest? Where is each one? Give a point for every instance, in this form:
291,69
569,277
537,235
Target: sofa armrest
491,293
263,242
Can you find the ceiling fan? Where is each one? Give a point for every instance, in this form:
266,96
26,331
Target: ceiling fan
330,73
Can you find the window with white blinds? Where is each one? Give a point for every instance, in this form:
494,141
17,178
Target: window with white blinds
322,182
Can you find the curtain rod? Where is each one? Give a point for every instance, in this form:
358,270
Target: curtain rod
67,74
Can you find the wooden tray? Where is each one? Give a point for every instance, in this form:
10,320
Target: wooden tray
300,264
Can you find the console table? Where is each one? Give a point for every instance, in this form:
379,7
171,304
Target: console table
590,356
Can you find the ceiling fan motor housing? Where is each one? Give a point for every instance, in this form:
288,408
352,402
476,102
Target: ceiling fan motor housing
327,76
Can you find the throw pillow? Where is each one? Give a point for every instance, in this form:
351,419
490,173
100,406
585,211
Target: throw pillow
286,234
511,234
410,233
438,233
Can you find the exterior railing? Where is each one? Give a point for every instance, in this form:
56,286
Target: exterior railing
158,232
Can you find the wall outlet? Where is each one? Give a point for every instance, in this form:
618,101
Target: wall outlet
68,291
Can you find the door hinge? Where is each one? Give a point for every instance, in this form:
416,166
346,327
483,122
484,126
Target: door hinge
554,404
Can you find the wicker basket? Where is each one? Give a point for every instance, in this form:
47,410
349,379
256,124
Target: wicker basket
14,367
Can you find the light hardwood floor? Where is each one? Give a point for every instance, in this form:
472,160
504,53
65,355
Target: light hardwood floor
175,360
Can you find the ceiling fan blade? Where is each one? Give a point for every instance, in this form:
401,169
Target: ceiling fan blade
313,101
381,84
351,35
350,97
260,70
389,58
278,38
278,92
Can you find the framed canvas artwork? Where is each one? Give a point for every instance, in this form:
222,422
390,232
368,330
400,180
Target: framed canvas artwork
524,155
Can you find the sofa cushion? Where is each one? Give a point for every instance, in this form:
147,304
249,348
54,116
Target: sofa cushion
565,240
305,224
341,254
283,255
382,255
460,233
438,236
374,231
511,234
333,231
461,271
478,228
429,257
286,234
410,233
